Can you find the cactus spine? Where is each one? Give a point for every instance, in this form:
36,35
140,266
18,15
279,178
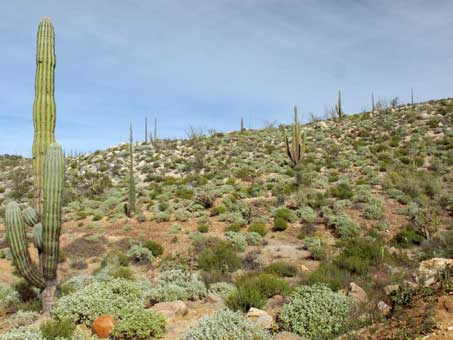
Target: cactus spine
131,191
294,150
339,107
44,108
46,236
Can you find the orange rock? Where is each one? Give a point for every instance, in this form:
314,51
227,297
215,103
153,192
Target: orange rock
103,326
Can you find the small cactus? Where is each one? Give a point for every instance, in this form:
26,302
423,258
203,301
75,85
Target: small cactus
294,150
339,107
130,210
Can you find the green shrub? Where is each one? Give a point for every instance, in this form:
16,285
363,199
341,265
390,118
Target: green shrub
307,214
237,240
285,214
253,238
8,296
220,257
408,237
138,323
203,228
233,227
55,329
22,333
139,253
217,210
155,248
226,325
258,227
331,275
222,289
25,291
253,291
315,312
280,224
342,191
374,210
282,269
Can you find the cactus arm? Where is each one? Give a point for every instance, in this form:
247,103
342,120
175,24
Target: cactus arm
30,216
44,108
51,218
37,236
15,229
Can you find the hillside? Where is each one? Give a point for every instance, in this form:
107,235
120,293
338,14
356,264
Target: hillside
368,206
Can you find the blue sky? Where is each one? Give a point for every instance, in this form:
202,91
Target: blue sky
207,63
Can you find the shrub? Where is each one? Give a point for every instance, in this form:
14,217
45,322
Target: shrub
285,214
222,289
176,284
281,268
258,227
237,240
22,333
220,257
408,237
55,329
280,224
138,323
217,210
139,253
253,291
342,191
343,224
374,210
253,238
225,324
98,298
359,254
23,318
331,275
307,214
234,227
315,312
203,228
8,296
155,248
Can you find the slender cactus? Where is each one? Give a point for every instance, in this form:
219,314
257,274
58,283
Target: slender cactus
242,124
339,107
44,108
294,150
131,191
373,107
412,96
146,130
155,129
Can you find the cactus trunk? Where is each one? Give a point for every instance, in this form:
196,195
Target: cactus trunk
44,108
131,193
294,151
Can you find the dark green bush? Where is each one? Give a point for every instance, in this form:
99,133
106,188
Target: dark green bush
408,237
154,247
258,227
219,257
342,191
331,275
217,210
25,291
281,268
280,224
54,329
253,290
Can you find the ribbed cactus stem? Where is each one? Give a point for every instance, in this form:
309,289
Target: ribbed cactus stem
30,216
15,234
131,191
44,108
373,107
242,124
51,218
37,236
339,107
294,150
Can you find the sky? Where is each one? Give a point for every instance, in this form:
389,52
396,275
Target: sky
207,63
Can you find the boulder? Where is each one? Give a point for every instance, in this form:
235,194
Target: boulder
212,298
264,322
357,293
383,308
171,309
390,289
428,269
103,326
256,313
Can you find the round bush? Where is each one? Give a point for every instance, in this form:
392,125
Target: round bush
315,312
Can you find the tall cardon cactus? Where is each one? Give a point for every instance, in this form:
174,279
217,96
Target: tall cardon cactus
44,108
295,148
46,235
130,211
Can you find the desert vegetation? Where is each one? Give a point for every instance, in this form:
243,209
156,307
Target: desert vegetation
339,228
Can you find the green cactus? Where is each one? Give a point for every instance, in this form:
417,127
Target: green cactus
46,236
130,211
339,107
44,108
242,125
373,107
294,150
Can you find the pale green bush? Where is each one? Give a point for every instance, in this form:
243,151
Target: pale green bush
237,240
138,323
253,238
315,312
8,296
225,325
222,289
22,333
307,214
139,253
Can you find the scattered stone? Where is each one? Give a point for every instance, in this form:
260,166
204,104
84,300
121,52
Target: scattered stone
212,298
103,326
390,289
171,309
428,270
264,322
357,293
276,301
256,313
384,308
448,304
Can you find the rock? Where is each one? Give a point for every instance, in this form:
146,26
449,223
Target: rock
212,298
256,313
428,269
171,309
264,322
287,336
103,326
383,308
448,305
276,301
303,268
84,330
424,115
390,289
357,293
